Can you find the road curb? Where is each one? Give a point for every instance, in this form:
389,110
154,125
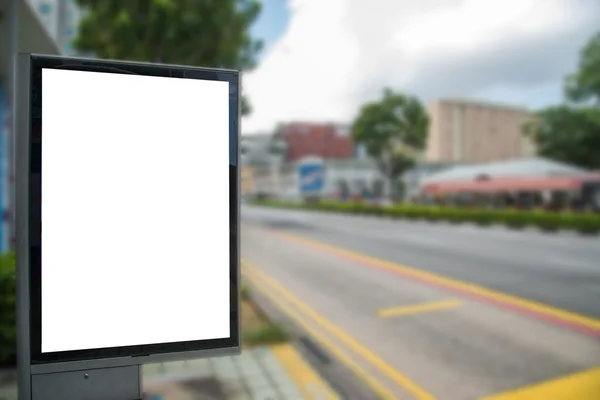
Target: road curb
336,375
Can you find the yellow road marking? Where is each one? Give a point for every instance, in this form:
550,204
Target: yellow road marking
403,381
306,379
418,308
321,339
539,308
581,386
329,346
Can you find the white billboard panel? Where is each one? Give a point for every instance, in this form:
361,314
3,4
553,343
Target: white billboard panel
135,210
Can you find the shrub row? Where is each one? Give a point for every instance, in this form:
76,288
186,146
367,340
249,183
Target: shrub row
582,222
8,310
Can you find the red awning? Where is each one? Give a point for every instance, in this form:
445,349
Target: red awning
506,185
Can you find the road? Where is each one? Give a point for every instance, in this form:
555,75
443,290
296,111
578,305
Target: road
427,311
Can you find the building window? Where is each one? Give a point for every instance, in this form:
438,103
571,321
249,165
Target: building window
45,8
303,129
341,130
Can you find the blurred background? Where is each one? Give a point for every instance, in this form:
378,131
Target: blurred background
420,186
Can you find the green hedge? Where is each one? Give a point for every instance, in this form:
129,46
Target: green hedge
8,311
517,219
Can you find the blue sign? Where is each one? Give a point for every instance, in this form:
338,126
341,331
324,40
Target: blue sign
312,177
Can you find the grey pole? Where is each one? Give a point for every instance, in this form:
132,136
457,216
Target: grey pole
62,24
13,50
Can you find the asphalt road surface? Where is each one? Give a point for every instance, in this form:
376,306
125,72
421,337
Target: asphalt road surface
429,311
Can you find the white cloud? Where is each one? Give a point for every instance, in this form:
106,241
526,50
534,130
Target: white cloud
476,23
336,54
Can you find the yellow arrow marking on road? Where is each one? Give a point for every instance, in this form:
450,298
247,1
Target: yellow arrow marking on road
329,345
401,380
418,308
581,386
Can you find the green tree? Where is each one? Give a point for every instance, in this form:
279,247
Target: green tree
393,131
584,84
209,33
570,132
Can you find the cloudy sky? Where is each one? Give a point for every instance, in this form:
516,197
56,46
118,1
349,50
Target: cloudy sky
325,57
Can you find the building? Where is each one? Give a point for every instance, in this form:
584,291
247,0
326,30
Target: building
61,18
327,141
26,26
516,168
261,161
466,131
247,181
258,150
515,181
283,182
412,179
268,172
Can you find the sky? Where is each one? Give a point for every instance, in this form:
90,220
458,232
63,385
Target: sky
324,58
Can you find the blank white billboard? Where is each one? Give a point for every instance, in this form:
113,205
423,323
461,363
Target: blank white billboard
135,210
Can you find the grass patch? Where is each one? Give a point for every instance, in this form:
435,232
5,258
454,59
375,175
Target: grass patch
268,334
257,329
8,311
245,291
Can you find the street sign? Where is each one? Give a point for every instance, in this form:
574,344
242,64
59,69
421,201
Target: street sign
138,260
311,175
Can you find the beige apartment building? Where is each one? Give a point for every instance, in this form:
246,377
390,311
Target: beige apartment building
466,131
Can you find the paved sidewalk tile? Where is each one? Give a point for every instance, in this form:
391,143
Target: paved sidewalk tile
276,373
261,373
8,392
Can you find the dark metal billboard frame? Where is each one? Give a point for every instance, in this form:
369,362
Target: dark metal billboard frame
112,373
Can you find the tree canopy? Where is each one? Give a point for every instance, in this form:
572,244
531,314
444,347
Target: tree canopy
584,84
209,33
570,132
393,131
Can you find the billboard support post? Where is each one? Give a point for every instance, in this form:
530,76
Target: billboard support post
105,363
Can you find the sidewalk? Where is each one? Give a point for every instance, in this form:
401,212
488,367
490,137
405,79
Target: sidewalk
262,373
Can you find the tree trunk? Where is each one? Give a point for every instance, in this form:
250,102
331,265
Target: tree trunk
391,190
390,181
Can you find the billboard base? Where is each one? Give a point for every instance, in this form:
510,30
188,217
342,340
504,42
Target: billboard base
117,383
